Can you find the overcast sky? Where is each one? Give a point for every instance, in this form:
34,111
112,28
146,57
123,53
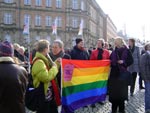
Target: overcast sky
132,13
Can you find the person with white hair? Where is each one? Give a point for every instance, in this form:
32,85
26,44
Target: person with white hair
118,85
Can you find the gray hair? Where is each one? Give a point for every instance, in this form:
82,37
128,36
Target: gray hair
146,46
60,43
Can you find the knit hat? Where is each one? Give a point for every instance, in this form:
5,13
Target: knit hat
78,40
6,49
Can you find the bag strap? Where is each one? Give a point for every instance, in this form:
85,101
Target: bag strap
35,60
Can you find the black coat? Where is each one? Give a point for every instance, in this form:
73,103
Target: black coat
117,86
63,56
13,81
78,54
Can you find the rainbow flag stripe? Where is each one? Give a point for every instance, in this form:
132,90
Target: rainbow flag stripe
83,83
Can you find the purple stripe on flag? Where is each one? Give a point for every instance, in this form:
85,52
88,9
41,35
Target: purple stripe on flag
81,103
81,95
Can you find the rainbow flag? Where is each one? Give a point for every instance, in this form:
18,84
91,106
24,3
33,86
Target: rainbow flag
83,83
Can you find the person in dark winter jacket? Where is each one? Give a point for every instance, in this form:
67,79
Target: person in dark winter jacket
13,81
145,73
78,52
118,88
56,54
135,67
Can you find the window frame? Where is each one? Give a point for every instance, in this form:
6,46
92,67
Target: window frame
37,20
8,18
48,21
58,3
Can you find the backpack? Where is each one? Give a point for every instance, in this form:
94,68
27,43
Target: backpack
34,97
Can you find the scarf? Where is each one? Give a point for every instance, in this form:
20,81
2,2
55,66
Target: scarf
132,49
59,55
100,53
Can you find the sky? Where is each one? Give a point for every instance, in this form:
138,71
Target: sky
134,14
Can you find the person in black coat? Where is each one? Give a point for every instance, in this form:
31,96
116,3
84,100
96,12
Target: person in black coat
78,52
118,84
56,54
13,81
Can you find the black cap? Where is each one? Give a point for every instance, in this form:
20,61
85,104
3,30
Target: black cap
78,40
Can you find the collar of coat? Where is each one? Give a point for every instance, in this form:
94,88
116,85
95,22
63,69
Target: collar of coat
6,59
41,56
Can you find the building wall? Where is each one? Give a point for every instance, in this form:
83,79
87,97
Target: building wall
111,29
71,15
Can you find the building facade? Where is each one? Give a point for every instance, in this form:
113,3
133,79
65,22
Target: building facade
111,30
41,14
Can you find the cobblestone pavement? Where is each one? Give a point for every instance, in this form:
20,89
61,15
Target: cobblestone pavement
135,104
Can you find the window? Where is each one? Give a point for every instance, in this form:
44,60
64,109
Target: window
37,38
49,3
8,18
38,2
8,37
82,5
58,3
8,1
27,2
74,22
38,20
75,4
27,18
48,21
59,21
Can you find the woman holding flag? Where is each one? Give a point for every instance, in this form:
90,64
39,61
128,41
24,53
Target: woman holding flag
118,87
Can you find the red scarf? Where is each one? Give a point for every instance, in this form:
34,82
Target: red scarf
56,91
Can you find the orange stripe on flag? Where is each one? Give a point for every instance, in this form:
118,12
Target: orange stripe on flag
86,64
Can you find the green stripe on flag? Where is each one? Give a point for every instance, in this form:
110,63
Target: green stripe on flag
83,87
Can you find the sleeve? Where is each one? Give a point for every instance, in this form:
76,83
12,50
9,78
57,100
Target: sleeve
40,71
138,56
113,58
142,65
72,54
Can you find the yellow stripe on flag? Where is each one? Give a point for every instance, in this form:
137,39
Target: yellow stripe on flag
90,71
86,79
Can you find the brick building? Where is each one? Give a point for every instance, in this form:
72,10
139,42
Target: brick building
42,13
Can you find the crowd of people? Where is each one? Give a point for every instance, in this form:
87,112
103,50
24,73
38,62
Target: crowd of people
47,69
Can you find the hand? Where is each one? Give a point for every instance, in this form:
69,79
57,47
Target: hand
120,61
58,60
54,64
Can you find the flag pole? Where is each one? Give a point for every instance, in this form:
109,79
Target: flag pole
27,37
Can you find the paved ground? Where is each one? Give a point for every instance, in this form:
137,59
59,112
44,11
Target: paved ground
134,105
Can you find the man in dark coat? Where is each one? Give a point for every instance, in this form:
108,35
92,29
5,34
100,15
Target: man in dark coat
135,67
78,51
13,81
145,72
